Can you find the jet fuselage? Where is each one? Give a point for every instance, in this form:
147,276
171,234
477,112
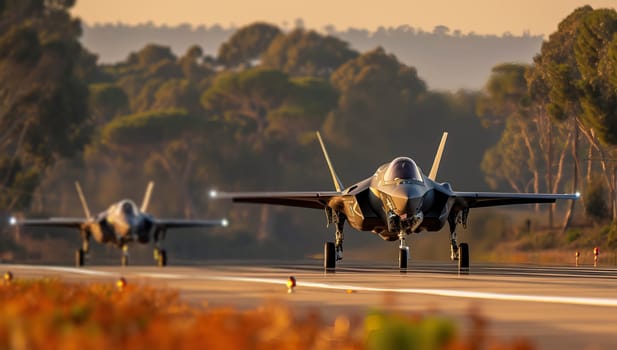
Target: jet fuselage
399,198
122,222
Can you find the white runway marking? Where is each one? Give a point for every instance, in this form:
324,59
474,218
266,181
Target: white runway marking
437,292
607,302
75,270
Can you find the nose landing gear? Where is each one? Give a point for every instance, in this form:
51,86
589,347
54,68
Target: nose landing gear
403,252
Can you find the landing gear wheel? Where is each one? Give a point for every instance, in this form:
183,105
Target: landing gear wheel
403,255
79,258
463,259
162,258
329,256
125,260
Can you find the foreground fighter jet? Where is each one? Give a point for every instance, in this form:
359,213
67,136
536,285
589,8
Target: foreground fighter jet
122,223
396,201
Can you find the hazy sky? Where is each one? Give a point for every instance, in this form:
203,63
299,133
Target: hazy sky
480,16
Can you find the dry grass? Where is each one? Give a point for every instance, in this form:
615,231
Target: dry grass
52,314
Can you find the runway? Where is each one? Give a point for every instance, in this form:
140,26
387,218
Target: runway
554,307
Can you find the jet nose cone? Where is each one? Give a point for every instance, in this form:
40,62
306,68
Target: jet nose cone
406,199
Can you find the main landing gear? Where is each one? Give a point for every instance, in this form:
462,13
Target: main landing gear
333,252
160,255
460,252
80,254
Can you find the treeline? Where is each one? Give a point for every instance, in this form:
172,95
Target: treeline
244,119
447,59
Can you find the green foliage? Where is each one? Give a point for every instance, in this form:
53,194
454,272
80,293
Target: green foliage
43,97
595,200
611,239
573,234
395,331
107,101
373,85
507,163
247,44
150,55
149,128
505,94
302,53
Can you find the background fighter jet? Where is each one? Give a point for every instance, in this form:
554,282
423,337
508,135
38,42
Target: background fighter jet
396,201
122,223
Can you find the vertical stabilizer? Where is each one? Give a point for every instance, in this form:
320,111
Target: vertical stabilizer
337,182
82,199
433,174
146,201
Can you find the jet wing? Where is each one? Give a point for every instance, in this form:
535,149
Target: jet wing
179,223
315,200
491,199
51,222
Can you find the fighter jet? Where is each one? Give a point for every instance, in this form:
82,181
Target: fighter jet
122,223
397,200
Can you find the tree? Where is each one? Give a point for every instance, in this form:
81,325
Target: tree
106,101
556,66
377,92
247,44
506,101
246,98
595,200
44,101
265,113
168,140
302,53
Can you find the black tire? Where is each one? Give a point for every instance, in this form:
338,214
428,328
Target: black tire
402,258
329,256
463,258
79,258
162,260
125,260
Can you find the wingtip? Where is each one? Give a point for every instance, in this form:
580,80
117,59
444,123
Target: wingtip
12,221
224,223
577,195
213,193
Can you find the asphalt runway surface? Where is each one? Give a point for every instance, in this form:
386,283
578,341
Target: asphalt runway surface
553,307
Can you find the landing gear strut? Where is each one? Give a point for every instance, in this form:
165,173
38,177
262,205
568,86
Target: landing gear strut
80,254
160,255
459,252
403,254
333,252
125,255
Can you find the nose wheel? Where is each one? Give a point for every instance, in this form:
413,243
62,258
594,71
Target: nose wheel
403,251
403,257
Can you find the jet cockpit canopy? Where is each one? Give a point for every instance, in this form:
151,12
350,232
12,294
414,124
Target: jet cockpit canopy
402,168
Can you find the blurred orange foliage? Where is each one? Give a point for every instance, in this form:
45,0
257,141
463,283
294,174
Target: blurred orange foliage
52,314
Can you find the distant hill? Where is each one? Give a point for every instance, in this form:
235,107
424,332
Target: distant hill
446,60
